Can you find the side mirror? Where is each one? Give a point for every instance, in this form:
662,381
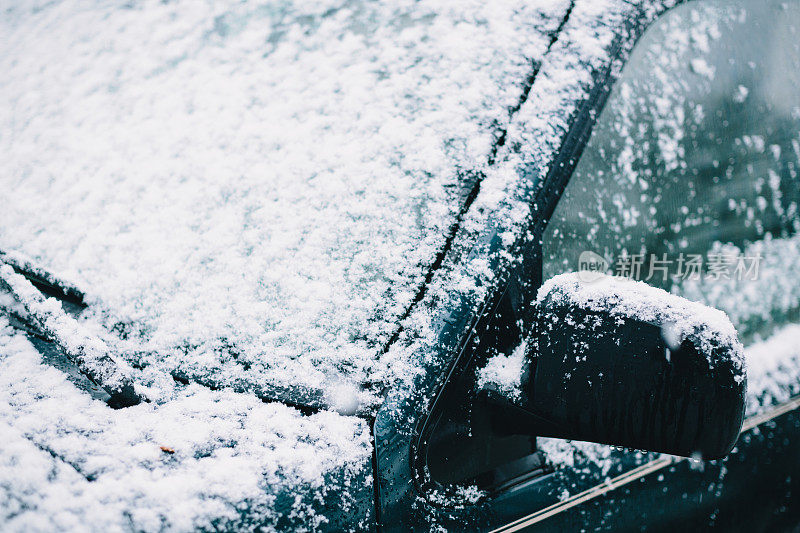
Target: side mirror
619,362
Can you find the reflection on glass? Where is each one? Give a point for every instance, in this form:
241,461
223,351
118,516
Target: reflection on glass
697,154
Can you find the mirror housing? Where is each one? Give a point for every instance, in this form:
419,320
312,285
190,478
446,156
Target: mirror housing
616,361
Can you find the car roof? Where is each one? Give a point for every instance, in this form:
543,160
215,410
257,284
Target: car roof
254,195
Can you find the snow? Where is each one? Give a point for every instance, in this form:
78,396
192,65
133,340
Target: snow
250,196
702,68
757,302
247,195
773,369
503,373
672,335
86,349
577,455
274,177
343,398
710,328
68,462
507,191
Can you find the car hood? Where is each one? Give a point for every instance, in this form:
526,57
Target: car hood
210,460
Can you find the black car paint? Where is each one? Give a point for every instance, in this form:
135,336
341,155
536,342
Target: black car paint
752,489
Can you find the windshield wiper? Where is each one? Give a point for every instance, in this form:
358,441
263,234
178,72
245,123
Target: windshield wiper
56,323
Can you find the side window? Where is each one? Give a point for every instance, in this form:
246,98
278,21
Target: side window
690,179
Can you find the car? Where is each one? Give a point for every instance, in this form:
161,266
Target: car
400,266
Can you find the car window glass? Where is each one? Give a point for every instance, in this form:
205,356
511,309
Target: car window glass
690,179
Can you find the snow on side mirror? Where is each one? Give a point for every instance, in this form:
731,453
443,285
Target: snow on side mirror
619,362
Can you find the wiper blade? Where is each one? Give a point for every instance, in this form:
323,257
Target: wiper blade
88,352
73,303
71,297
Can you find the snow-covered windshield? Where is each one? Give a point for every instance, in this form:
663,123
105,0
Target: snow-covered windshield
252,192
690,180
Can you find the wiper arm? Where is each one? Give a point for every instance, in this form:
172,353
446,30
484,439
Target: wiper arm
71,297
88,352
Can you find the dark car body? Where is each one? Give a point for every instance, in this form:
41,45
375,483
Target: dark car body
450,333
751,489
